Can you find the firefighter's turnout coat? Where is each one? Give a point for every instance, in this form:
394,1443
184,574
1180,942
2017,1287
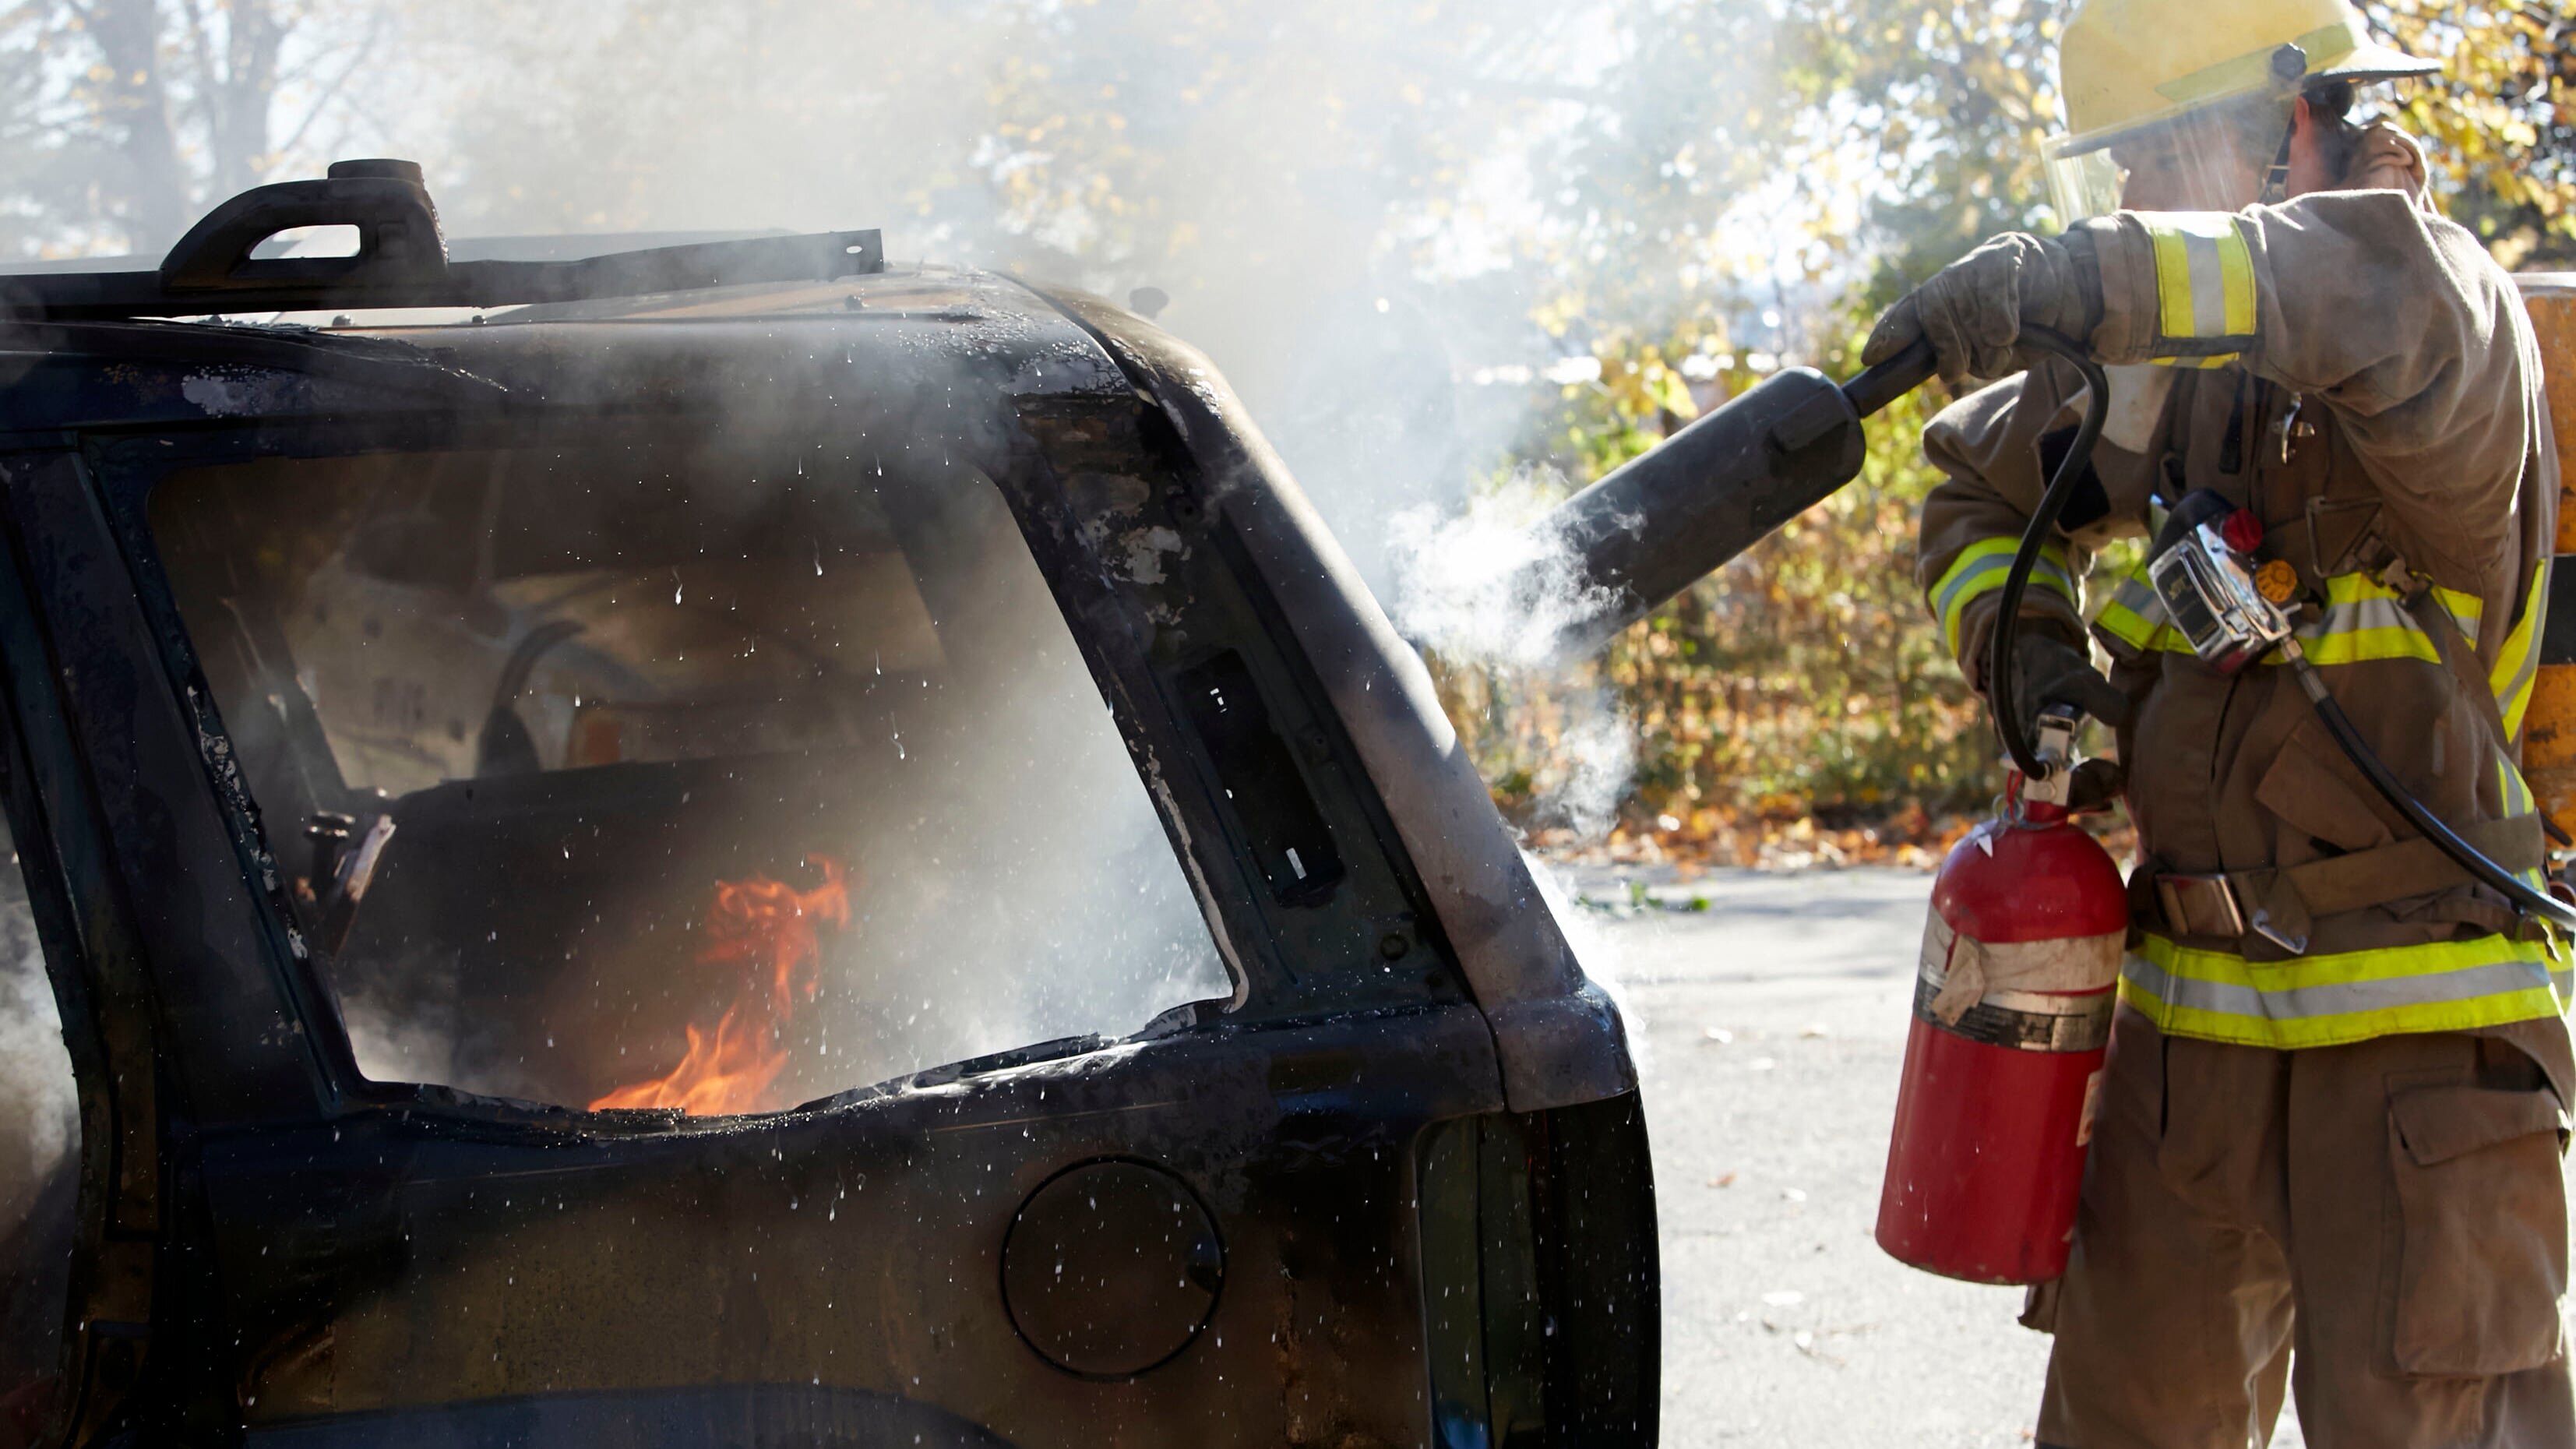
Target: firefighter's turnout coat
2362,376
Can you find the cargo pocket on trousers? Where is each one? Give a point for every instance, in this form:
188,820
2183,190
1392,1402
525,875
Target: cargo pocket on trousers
2483,1254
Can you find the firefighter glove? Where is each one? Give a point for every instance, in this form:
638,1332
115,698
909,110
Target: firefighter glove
1973,309
2048,670
2387,159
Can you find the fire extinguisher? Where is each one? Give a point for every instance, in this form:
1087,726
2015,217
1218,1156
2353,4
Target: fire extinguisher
2012,1013
2015,988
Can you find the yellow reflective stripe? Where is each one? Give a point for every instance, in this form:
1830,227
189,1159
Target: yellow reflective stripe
2512,788
2205,290
2126,625
2362,645
2173,283
2466,610
2516,794
2355,588
1980,569
2363,620
2136,617
2348,996
2141,631
2236,281
2517,664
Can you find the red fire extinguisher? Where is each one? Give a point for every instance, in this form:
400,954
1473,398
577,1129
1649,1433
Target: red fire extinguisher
2012,1013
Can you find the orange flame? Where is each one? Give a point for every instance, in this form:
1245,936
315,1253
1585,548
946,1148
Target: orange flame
765,931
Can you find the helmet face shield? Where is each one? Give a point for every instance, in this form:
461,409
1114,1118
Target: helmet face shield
2082,183
2210,160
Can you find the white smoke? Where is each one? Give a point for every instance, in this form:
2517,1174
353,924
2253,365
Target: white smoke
1491,583
1493,586
1357,210
1599,753
39,1108
406,1030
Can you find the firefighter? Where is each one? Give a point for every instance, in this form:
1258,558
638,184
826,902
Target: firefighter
2325,1146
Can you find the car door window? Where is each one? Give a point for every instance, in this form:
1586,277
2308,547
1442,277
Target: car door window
39,1165
698,775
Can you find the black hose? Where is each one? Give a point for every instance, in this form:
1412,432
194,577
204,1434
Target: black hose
2512,887
2043,521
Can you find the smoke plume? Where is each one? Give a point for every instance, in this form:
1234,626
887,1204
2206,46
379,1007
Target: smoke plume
1491,586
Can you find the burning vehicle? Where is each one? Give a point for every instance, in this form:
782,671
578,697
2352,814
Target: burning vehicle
727,843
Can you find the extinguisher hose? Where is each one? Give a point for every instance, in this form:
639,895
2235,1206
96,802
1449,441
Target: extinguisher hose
2529,901
2043,522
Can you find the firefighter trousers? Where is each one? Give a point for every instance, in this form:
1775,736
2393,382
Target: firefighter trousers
2379,1229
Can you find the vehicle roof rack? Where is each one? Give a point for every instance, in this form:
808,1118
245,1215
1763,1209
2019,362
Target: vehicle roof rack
401,260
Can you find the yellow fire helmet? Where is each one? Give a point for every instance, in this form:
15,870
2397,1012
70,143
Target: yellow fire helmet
2187,81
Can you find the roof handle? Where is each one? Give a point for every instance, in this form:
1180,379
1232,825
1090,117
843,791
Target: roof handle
399,242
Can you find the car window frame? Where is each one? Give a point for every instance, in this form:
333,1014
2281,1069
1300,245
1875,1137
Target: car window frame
123,490
127,448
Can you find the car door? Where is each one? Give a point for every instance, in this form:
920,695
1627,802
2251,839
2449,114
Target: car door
1034,1032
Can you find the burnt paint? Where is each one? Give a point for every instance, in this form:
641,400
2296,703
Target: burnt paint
1264,790
1111,1268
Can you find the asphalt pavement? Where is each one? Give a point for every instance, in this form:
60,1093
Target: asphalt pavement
1770,1027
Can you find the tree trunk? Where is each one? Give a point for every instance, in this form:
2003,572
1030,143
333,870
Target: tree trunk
237,100
135,110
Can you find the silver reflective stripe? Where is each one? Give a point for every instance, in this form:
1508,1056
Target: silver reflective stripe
2208,285
2360,614
2339,999
2522,675
2047,570
2140,598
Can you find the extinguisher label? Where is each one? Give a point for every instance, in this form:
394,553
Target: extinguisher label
2043,996
2084,1119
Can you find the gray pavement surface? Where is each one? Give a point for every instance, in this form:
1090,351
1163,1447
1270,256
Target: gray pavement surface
1771,1028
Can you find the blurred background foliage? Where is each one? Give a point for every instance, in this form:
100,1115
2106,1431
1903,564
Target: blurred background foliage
1803,693
1365,212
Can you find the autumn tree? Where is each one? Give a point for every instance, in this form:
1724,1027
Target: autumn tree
1808,674
121,120
2502,121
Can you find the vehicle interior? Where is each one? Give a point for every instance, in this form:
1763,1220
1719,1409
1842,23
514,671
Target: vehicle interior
708,772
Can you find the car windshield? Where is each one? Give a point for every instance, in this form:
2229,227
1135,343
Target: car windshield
704,774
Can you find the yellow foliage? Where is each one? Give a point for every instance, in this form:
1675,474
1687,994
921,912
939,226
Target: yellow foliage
1807,676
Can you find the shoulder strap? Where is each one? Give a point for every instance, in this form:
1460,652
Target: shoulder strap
2438,625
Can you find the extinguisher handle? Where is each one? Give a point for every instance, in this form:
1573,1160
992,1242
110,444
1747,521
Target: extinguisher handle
2056,727
1892,378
